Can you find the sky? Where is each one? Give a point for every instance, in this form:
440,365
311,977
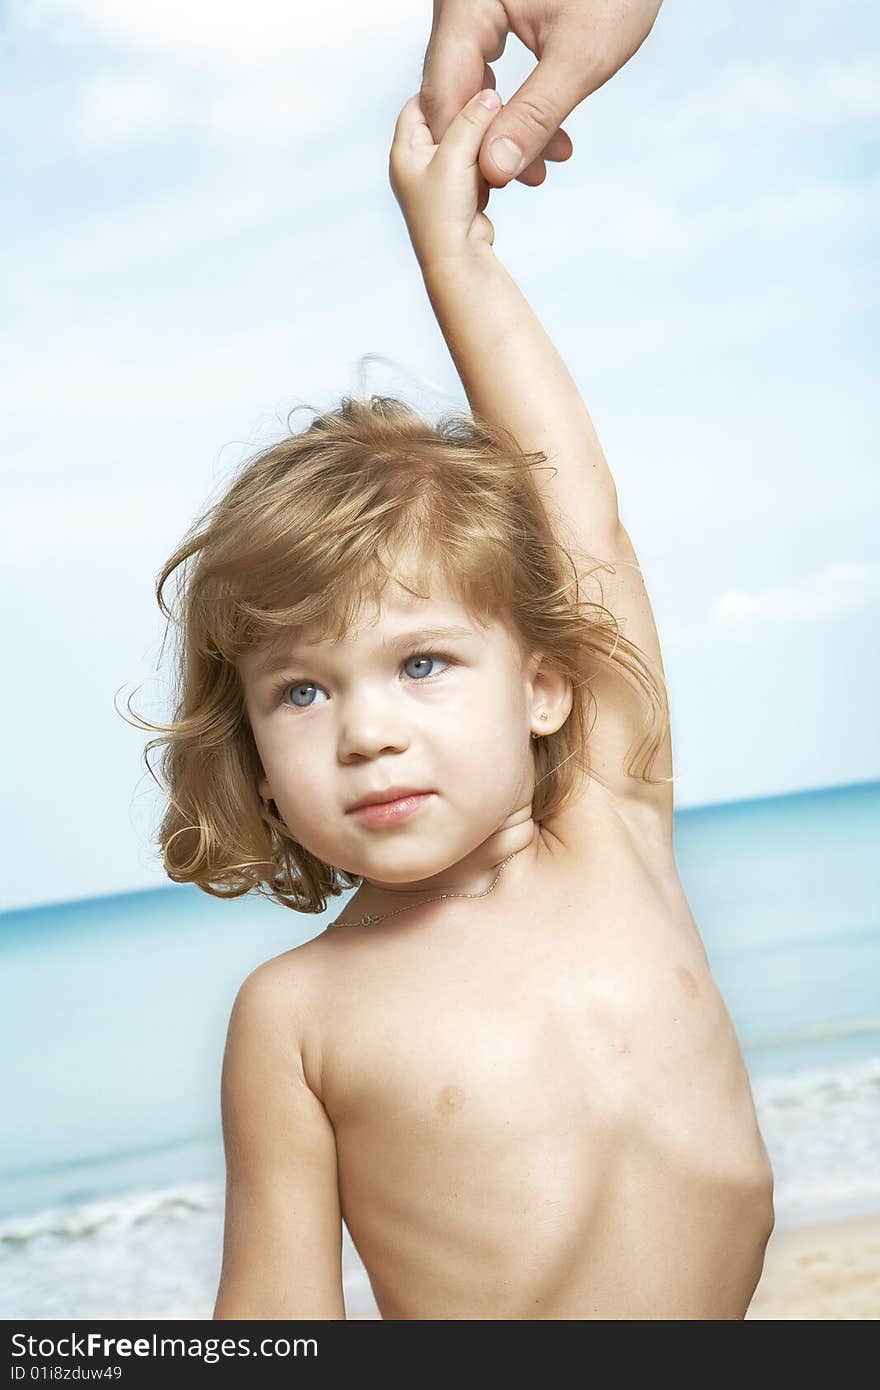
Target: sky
199,235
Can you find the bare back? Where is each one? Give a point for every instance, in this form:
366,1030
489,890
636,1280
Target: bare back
539,1103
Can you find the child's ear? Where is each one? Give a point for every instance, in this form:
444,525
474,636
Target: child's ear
263,788
552,696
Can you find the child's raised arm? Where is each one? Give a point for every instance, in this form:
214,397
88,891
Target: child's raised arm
282,1240
510,370
514,377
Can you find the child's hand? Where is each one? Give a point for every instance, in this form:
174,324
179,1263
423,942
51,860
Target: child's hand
440,189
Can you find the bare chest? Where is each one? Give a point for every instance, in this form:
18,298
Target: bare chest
527,1100
581,998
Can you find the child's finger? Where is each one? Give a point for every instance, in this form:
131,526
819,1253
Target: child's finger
464,137
411,130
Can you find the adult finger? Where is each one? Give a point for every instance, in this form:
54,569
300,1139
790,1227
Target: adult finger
531,118
560,147
533,174
465,37
557,151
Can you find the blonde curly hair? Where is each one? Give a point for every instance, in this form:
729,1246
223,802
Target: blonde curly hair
297,543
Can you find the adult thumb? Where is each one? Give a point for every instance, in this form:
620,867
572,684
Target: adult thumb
532,116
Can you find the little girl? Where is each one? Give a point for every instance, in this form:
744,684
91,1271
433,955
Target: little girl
505,1065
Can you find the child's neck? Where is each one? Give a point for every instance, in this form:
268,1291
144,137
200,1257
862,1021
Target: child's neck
474,874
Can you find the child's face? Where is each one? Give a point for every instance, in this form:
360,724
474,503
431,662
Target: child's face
340,720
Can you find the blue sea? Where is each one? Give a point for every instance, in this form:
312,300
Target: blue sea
115,1011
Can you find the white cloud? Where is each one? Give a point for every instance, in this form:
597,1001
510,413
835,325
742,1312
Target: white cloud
279,71
167,222
209,34
242,199
836,589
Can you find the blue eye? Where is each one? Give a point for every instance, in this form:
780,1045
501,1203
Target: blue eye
296,688
304,685
423,657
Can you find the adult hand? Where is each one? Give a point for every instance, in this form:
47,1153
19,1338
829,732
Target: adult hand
579,44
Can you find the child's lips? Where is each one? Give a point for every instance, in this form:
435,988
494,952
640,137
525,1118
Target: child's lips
389,812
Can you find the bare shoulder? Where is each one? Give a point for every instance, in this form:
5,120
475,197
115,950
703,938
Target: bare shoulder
272,1030
268,1006
619,720
276,1012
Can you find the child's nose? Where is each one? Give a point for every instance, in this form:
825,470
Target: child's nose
367,730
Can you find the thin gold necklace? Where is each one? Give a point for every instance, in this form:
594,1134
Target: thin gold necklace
368,921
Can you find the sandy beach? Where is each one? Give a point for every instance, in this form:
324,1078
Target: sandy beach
830,1270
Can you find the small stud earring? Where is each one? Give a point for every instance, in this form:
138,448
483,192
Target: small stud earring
542,715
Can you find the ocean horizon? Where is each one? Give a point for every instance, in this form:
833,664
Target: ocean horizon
115,1013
